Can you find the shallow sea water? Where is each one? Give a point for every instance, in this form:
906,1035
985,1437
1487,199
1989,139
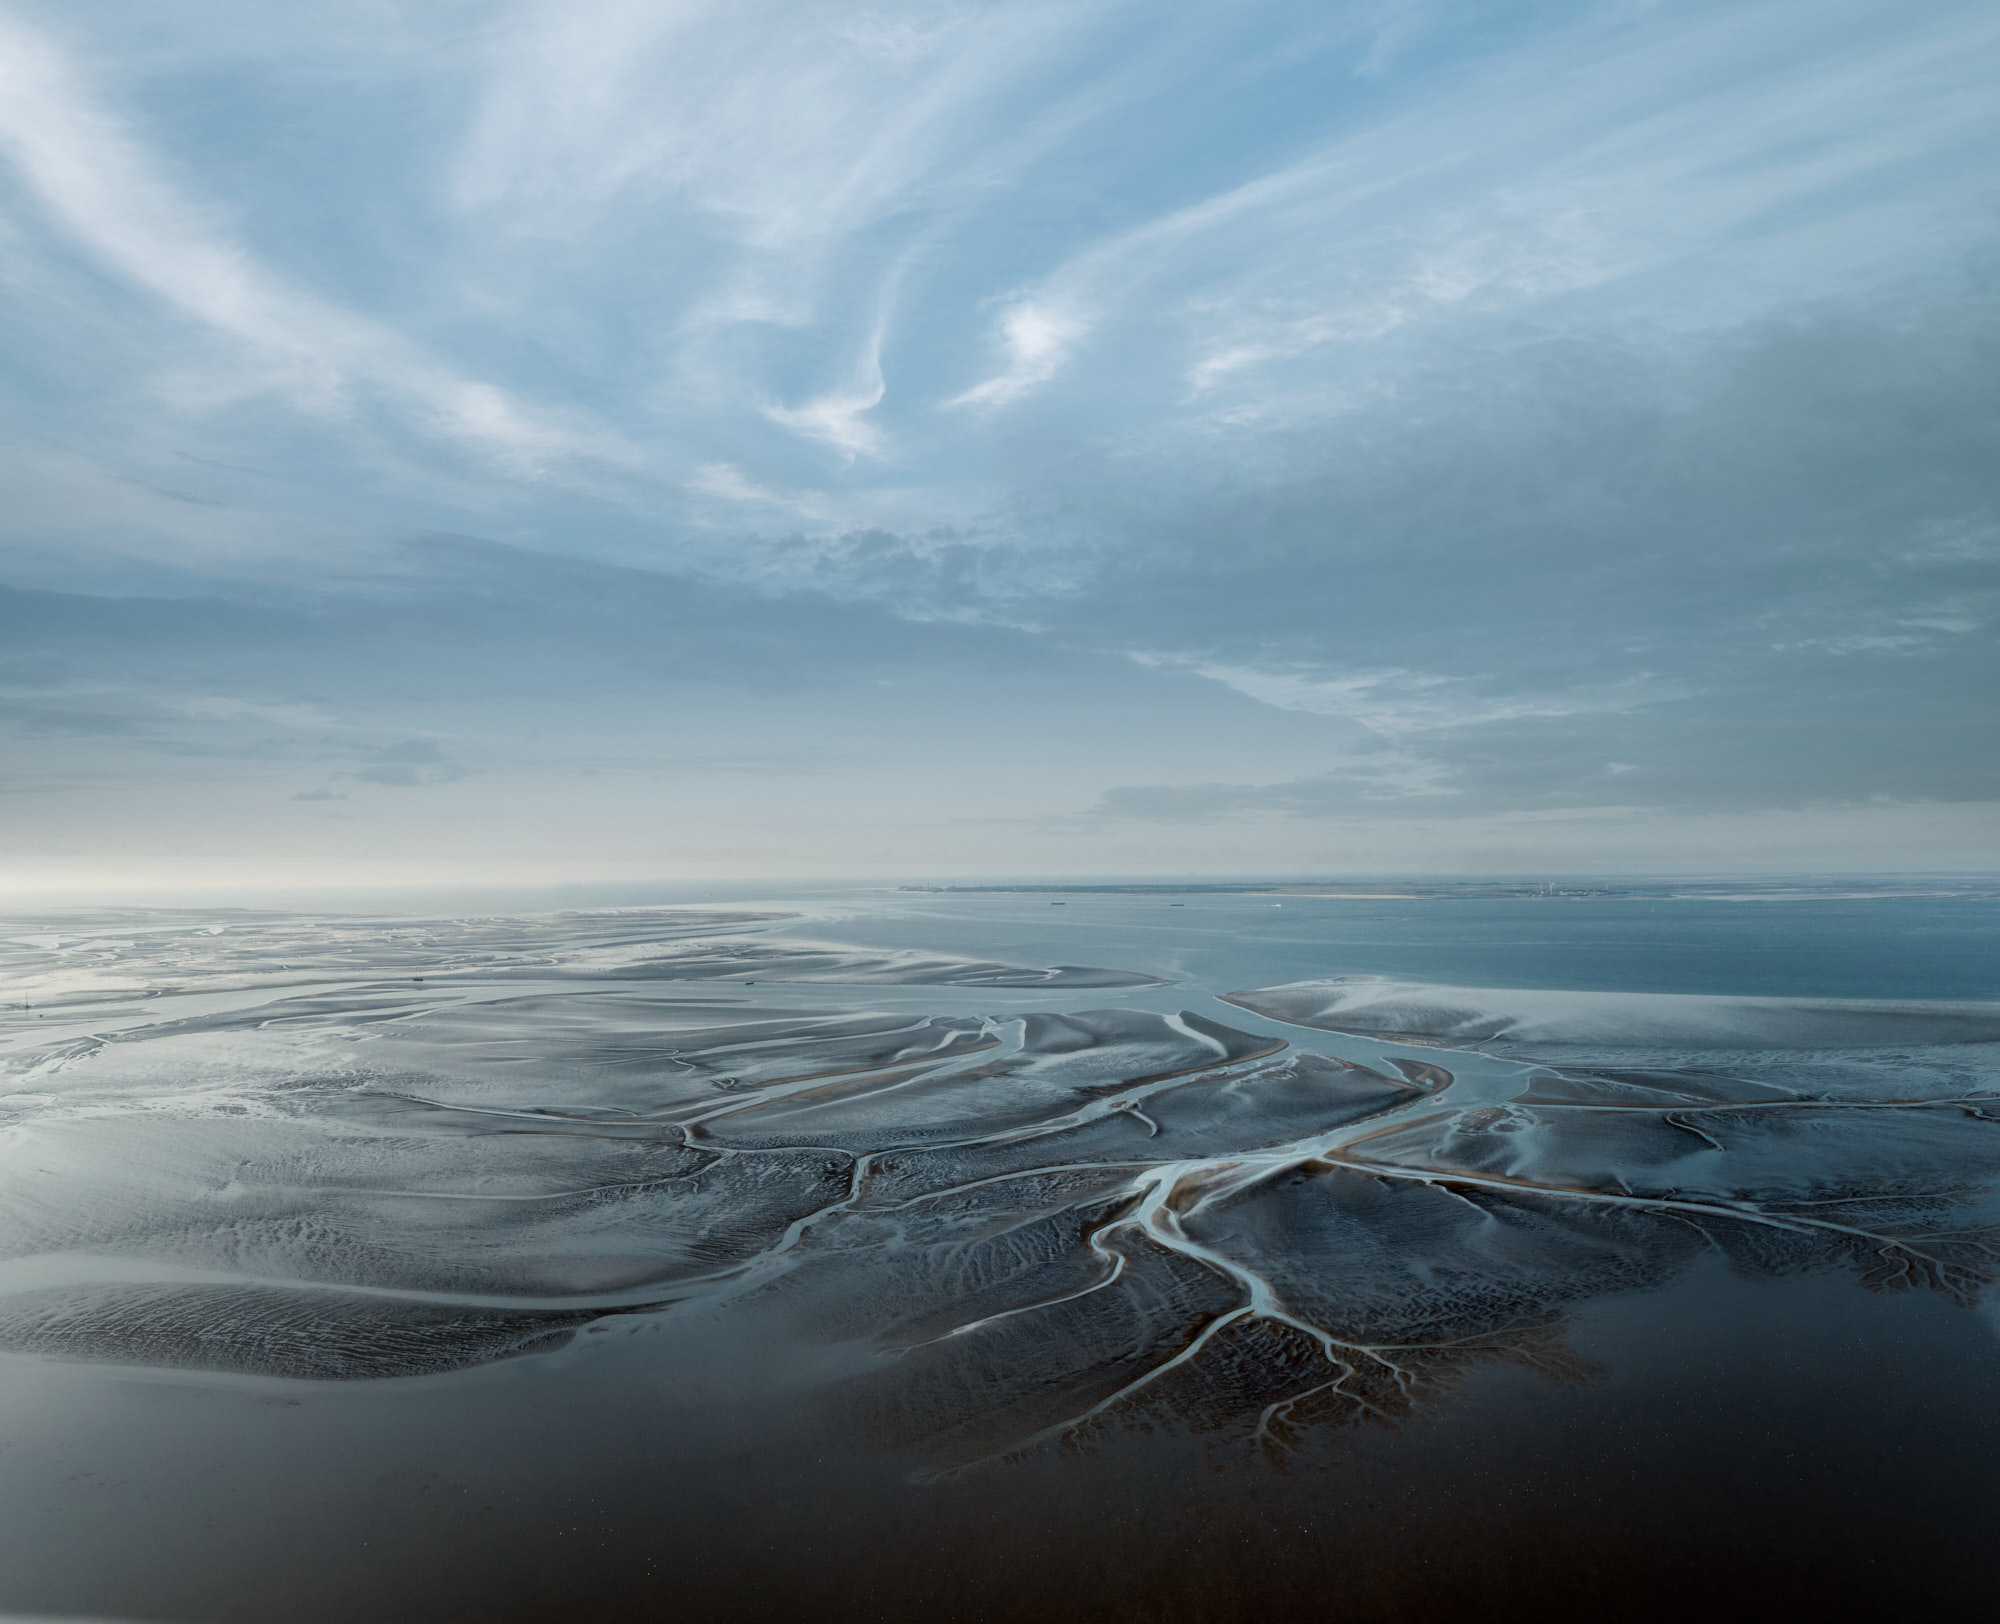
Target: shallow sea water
920,1255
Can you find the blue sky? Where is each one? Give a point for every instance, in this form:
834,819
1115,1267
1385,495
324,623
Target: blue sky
629,438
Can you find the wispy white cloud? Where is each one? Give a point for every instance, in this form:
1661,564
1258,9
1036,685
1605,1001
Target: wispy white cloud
725,482
788,123
1037,337
670,234
838,420
800,168
1400,703
839,417
1690,166
114,200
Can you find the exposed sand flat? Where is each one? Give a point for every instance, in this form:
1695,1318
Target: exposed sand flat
1386,1006
1034,1224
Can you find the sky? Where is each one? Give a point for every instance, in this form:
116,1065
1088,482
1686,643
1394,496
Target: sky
533,442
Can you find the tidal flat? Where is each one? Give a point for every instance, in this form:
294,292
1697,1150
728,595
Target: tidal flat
927,1255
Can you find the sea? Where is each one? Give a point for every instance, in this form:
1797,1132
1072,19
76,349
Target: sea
1201,1252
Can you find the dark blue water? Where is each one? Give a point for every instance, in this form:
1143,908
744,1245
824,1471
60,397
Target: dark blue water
1871,947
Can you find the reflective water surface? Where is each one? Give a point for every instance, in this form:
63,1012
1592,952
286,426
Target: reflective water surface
928,1255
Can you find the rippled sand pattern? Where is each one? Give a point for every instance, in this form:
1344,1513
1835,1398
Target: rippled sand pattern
315,1149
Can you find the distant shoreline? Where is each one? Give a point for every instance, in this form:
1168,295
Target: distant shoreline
1353,893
